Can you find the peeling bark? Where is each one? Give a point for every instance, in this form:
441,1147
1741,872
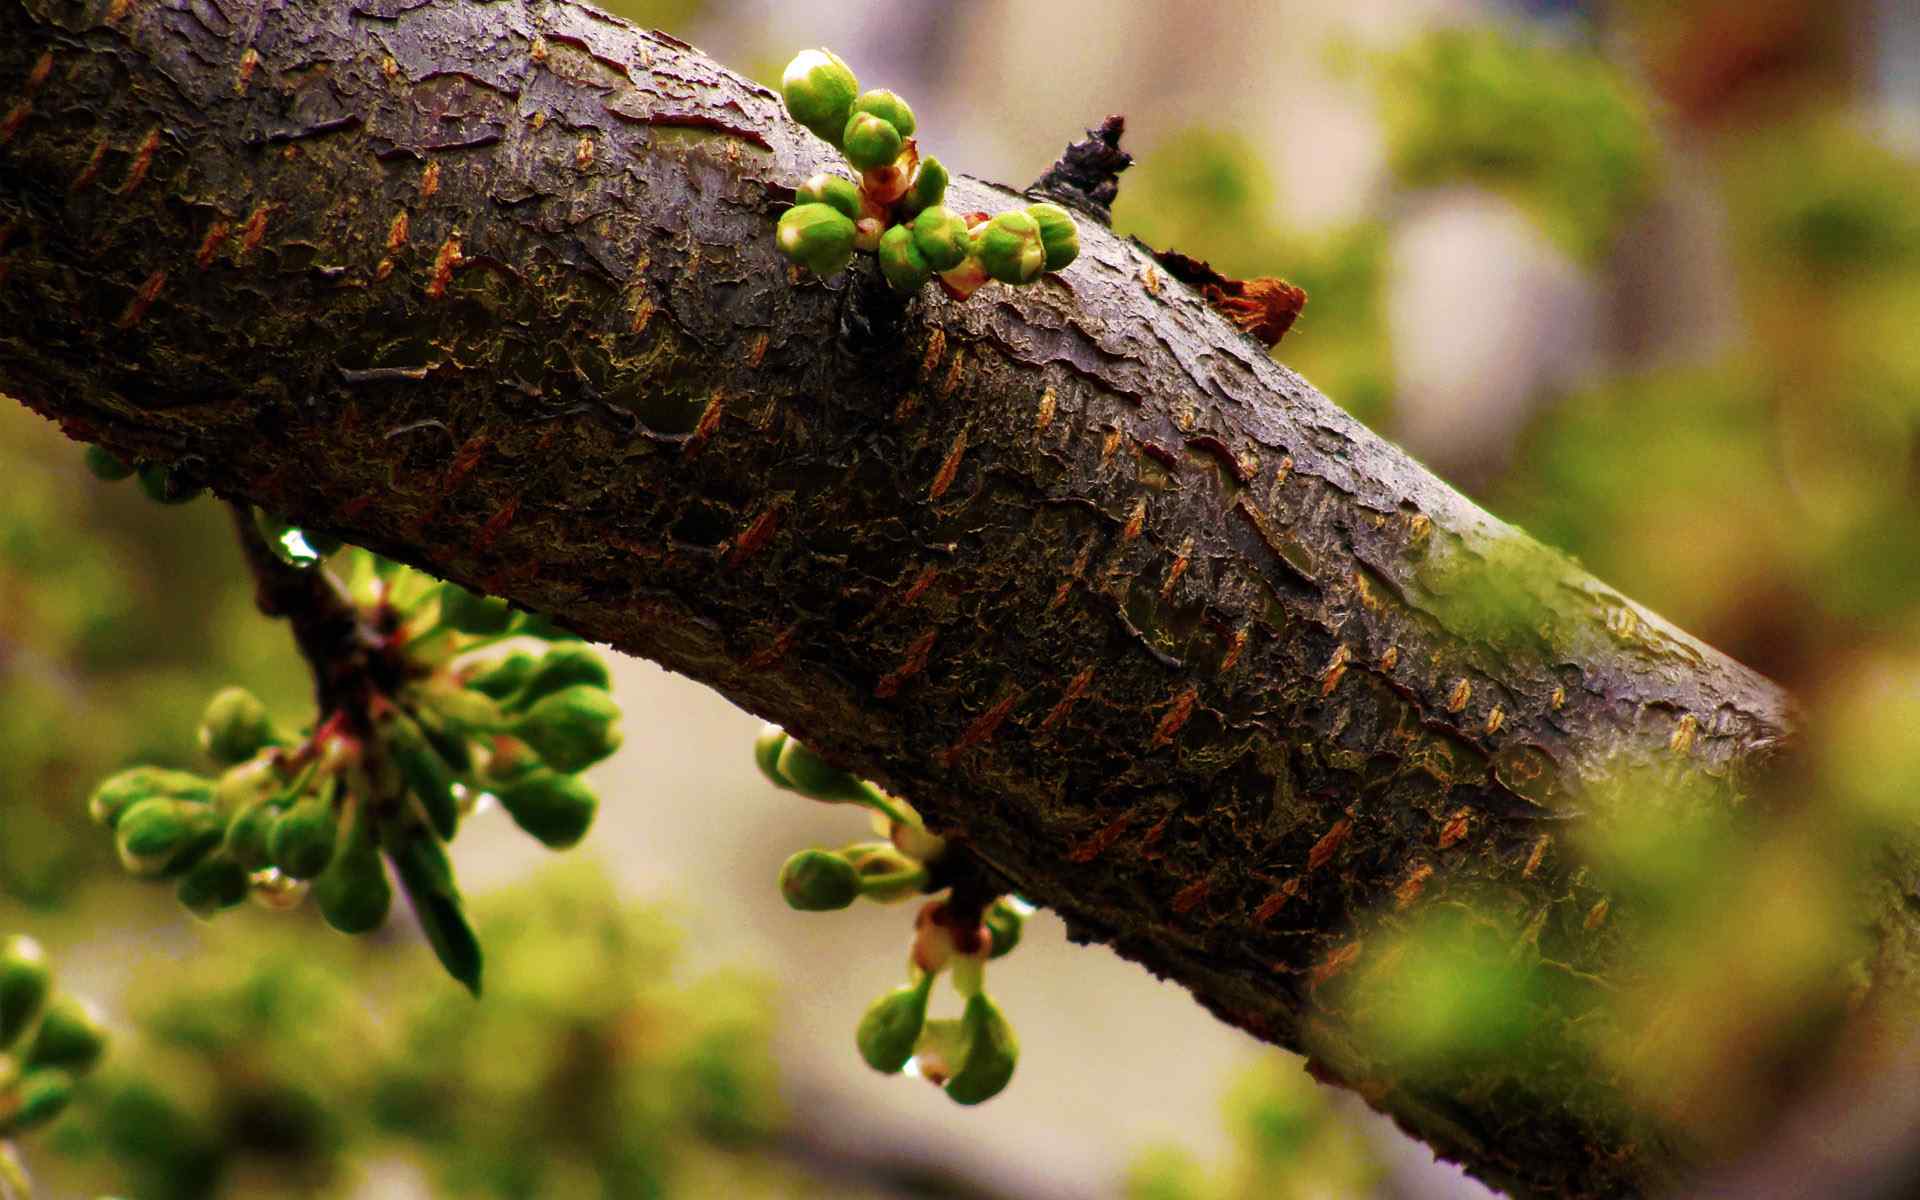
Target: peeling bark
1177,647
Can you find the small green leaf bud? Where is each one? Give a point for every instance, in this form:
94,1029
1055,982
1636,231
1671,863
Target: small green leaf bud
563,667
942,235
39,1097
72,1037
813,777
427,878
118,793
1006,920
215,883
301,842
915,842
509,758
901,262
819,90
470,612
1059,236
163,836
818,881
503,678
892,1025
557,809
466,710
870,141
107,465
24,982
427,773
166,485
1009,248
992,1052
766,754
816,236
572,729
353,894
247,833
889,107
835,191
235,727
245,784
929,186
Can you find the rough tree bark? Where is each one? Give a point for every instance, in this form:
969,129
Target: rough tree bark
1180,650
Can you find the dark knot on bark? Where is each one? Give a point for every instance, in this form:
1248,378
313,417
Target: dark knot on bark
1087,173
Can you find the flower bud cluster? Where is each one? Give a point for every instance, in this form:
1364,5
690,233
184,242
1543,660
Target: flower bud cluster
895,209
421,738
971,1057
47,1041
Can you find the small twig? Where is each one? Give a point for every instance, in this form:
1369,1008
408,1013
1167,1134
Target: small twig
1087,173
337,644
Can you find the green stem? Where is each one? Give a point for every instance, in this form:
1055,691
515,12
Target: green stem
870,884
894,810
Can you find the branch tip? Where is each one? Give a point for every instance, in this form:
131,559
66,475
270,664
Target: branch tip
1087,173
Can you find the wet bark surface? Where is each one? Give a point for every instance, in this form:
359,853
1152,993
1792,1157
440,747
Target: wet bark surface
1176,647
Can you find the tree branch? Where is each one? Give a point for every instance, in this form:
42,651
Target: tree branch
1174,645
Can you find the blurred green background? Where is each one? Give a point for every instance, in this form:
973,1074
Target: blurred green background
1642,278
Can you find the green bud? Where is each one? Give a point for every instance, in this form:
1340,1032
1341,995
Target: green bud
901,262
247,834
571,729
889,107
470,612
451,743
503,678
892,1025
835,191
766,754
165,485
819,90
427,773
236,726
72,1037
163,836
353,894
942,235
463,709
811,775
1059,236
508,759
120,792
1009,248
929,186
24,982
39,1097
817,237
870,141
991,1053
245,784
107,465
1006,922
217,882
555,808
818,881
563,667
427,878
302,839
